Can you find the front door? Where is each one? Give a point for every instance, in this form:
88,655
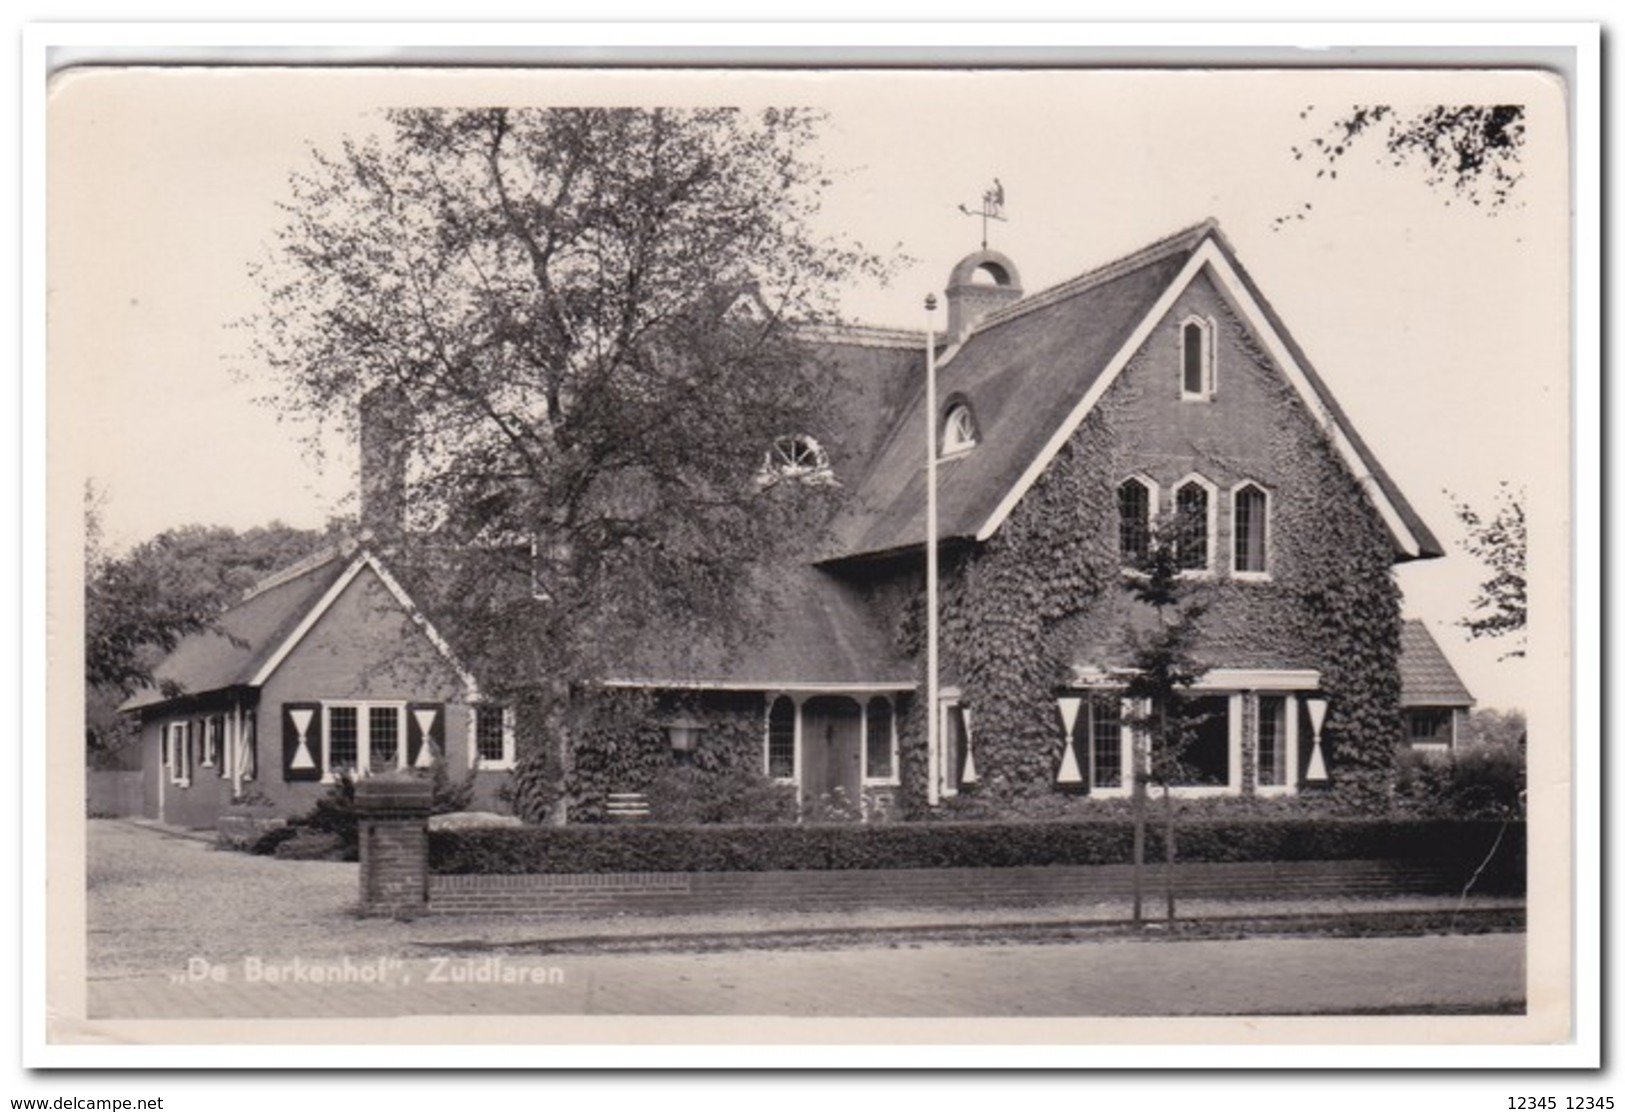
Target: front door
831,749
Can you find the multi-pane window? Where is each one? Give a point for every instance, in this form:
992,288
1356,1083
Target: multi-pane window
1429,725
363,737
383,730
491,735
1190,537
1105,741
1272,756
1134,520
1251,528
343,738
180,771
781,739
879,762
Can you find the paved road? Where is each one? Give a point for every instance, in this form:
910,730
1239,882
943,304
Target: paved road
1279,976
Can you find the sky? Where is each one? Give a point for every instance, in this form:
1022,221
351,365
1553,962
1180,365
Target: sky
1443,330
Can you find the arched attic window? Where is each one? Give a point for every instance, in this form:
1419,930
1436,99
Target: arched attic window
958,430
798,457
1196,378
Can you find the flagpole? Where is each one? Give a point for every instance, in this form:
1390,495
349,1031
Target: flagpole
933,727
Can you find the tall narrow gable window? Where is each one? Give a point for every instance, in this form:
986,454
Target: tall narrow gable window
1250,527
1196,359
1135,498
1193,505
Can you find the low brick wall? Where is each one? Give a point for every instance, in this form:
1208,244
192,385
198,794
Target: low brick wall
675,893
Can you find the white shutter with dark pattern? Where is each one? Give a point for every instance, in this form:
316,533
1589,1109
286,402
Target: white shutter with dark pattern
425,734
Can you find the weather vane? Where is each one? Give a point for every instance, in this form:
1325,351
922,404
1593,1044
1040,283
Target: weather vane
992,208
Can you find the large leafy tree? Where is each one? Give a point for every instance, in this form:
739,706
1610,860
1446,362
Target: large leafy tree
139,604
578,327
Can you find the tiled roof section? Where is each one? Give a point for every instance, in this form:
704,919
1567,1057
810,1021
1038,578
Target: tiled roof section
1052,350
246,635
1426,678
814,630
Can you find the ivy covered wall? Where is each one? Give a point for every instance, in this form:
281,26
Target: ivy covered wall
1045,595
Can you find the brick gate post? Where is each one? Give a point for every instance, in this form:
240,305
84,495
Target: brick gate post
393,812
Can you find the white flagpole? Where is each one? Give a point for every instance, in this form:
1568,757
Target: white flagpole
933,739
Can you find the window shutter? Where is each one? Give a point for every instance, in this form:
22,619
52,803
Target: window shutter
250,743
186,751
425,726
301,741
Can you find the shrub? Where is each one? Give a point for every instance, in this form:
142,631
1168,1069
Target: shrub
335,814
266,844
309,846
450,796
1475,781
737,794
725,848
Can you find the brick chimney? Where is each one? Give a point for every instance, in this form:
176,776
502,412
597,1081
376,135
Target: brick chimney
981,283
385,426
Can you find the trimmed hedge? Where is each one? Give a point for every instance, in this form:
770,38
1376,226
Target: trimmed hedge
654,848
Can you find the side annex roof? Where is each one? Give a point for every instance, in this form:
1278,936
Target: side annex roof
251,639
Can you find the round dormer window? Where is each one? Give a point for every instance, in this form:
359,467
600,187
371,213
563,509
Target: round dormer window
797,457
958,431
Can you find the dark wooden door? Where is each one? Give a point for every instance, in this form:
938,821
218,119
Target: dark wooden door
831,747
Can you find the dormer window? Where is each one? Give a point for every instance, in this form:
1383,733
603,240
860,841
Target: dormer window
1196,359
797,457
958,431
